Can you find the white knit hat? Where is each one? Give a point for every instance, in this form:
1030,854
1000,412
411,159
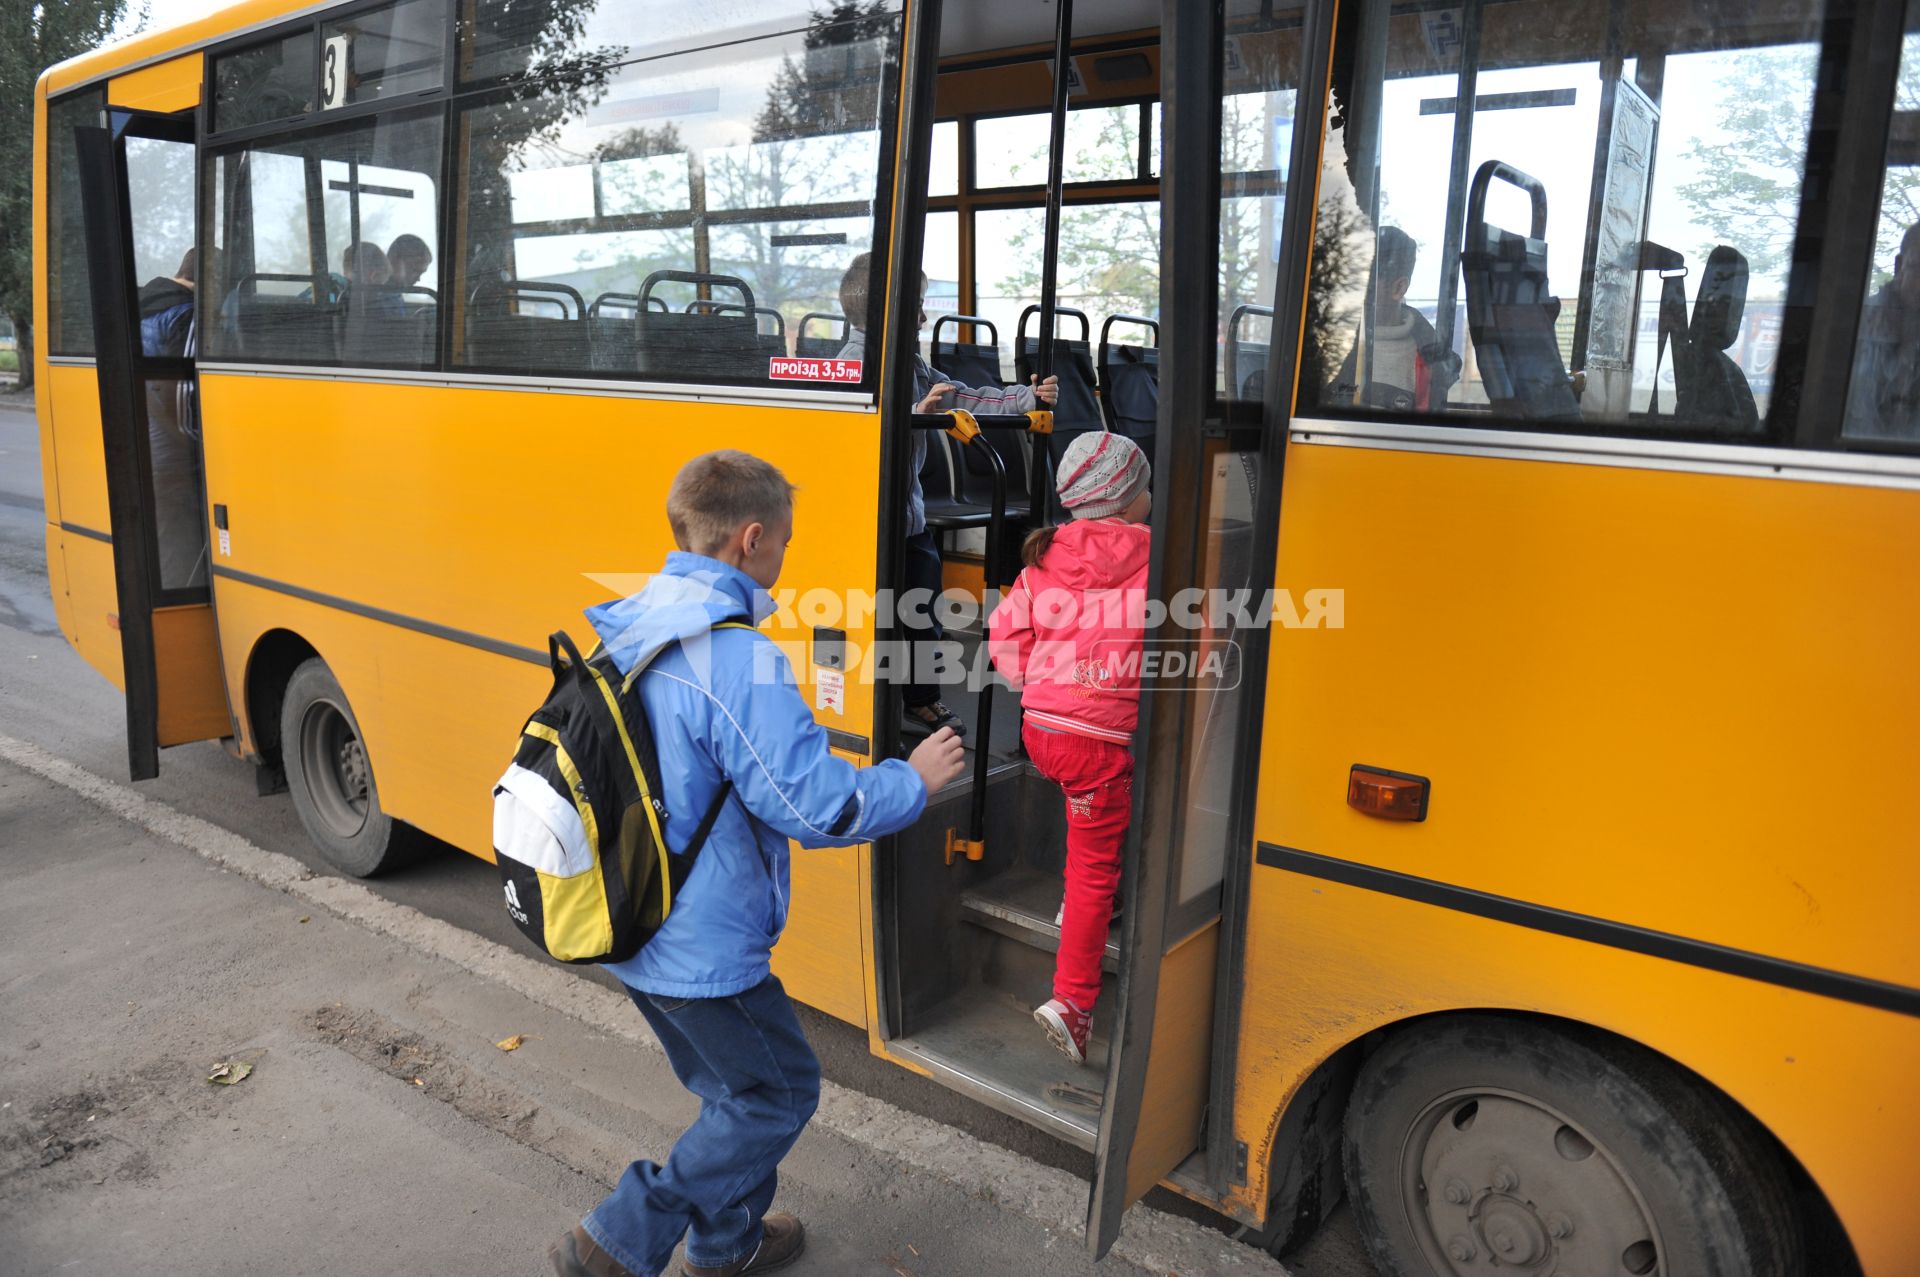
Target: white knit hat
1101,473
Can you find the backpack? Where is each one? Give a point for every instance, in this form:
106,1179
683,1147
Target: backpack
578,825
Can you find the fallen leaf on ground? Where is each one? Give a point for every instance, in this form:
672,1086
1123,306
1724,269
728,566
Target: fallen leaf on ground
228,1072
513,1043
418,1082
305,917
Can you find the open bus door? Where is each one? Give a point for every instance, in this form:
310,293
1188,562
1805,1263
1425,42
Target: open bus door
137,190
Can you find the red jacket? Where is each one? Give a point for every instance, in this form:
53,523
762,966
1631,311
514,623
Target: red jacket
1068,633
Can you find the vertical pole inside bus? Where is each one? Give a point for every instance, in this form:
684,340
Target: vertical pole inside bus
1041,485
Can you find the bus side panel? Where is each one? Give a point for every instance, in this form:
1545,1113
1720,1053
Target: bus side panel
75,450
1657,698
501,515
1327,963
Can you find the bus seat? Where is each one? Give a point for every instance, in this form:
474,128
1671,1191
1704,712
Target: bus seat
612,337
772,342
827,346
946,508
527,325
975,473
1509,311
284,326
1078,411
975,363
1709,387
1246,359
1130,382
687,345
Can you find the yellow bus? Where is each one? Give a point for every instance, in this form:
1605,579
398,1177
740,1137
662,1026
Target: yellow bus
1530,860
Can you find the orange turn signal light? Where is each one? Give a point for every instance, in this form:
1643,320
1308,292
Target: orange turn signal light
1374,791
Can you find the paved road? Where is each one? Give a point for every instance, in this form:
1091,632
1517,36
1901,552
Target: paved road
50,697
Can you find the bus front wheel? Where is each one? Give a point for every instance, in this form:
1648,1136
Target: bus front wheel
331,780
1478,1144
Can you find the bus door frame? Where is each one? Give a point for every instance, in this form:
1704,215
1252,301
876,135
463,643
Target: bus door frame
169,666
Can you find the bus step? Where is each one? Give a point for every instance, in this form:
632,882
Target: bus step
1020,903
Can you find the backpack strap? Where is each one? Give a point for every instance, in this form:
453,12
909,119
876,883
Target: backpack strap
707,821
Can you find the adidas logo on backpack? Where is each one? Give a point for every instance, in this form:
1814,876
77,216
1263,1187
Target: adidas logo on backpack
578,827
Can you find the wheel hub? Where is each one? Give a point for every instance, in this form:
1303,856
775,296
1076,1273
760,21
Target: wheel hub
1512,1230
1500,1183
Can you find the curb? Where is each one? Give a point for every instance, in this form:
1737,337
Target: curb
1052,1198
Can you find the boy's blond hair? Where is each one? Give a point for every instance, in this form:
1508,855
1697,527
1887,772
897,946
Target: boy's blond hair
717,494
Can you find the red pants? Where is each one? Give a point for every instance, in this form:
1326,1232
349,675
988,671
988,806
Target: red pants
1097,778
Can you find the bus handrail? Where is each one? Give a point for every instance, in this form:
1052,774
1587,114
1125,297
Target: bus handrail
1086,325
623,301
801,332
707,306
1477,197
967,430
698,280
956,320
1106,330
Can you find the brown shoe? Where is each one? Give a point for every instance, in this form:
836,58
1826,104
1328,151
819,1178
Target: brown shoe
578,1255
782,1238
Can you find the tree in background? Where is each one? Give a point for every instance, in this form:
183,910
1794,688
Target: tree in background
34,36
1748,192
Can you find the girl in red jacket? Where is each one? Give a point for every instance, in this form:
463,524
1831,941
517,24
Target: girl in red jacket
1068,634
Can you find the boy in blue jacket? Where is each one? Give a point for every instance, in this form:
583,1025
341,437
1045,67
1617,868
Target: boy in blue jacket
724,707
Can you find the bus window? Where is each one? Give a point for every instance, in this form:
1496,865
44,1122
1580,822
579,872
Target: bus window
1103,145
1471,260
743,173
943,170
1883,402
273,80
384,53
69,295
1256,137
288,298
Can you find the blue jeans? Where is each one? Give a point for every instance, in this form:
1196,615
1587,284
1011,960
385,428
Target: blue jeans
758,1083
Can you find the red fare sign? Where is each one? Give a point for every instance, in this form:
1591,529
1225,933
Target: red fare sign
842,371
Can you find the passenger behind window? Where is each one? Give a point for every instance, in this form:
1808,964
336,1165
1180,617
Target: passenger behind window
1407,368
934,392
1884,402
166,331
166,309
407,260
370,291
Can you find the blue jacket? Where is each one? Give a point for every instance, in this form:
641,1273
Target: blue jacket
723,703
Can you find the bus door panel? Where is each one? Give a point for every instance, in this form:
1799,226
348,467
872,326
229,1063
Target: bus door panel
137,189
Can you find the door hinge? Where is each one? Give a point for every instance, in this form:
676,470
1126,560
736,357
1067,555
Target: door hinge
1240,1162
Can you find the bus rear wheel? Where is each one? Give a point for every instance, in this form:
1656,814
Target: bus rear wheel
331,780
1484,1144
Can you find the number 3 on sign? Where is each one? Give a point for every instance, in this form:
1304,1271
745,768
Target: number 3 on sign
333,73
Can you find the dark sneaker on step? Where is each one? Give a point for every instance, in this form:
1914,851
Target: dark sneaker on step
1067,1027
578,1255
928,719
782,1238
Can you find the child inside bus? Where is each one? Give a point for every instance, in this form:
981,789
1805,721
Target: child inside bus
934,392
1409,370
725,711
1068,634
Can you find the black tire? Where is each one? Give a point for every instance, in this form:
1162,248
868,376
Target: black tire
1476,1137
331,780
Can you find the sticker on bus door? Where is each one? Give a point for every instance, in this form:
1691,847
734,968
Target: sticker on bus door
840,371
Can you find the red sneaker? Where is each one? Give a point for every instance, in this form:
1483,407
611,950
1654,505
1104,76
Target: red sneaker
1066,1025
